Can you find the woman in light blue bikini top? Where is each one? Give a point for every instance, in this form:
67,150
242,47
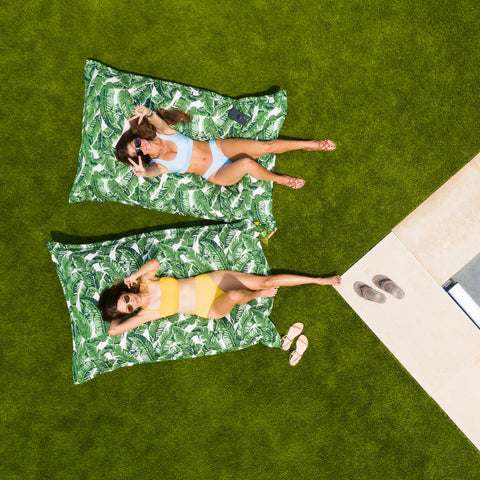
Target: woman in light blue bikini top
152,142
184,153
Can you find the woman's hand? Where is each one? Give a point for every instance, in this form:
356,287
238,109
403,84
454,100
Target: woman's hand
130,281
138,170
148,269
140,112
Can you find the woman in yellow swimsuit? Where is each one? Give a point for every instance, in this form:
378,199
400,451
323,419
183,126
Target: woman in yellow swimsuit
151,141
211,295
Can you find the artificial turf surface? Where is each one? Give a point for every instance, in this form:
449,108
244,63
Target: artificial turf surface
394,83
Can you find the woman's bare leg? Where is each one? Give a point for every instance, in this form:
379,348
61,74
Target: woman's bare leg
232,173
240,287
230,280
224,304
235,148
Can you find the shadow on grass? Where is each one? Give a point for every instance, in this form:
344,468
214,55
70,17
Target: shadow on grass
66,238
269,91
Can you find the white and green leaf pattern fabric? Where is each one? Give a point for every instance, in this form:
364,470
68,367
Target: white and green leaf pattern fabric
85,270
110,98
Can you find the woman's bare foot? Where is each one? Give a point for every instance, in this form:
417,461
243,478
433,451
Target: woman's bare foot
325,145
335,280
268,292
293,182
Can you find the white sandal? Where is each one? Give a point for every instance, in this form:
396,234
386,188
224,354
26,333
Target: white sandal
294,331
297,354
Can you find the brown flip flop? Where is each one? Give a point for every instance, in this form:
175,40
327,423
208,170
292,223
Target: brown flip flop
368,293
387,284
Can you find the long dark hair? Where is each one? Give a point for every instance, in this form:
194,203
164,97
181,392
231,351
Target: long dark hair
107,303
146,131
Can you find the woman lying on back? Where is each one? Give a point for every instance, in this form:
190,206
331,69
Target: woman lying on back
210,295
151,142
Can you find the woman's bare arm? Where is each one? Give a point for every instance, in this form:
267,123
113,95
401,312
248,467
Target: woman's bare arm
118,327
153,170
159,123
156,169
146,272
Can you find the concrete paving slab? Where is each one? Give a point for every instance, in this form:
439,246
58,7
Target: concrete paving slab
426,330
443,233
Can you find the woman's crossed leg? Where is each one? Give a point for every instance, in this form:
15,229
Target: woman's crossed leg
243,153
240,287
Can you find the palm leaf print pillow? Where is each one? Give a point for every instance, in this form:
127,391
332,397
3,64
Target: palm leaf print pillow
85,270
110,99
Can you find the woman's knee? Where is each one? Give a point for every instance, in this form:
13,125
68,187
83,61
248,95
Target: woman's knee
249,165
265,281
235,296
270,281
264,148
268,147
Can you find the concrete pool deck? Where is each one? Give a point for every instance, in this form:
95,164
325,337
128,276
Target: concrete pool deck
426,330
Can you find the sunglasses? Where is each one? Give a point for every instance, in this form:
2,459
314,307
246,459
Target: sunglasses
126,299
138,144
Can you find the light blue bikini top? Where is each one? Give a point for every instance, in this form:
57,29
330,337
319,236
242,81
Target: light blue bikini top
184,152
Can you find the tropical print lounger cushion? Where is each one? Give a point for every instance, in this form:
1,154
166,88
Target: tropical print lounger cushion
85,270
110,99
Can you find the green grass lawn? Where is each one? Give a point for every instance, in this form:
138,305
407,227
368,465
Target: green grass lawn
394,83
